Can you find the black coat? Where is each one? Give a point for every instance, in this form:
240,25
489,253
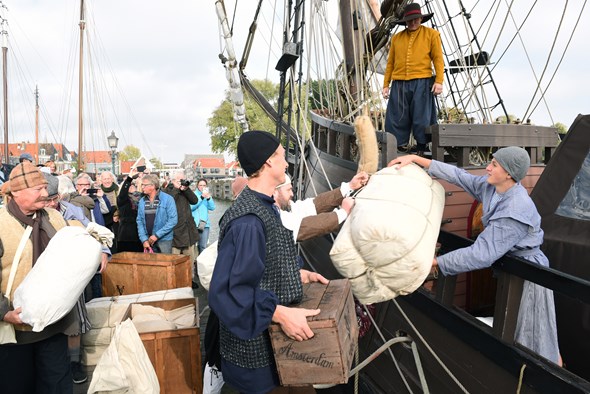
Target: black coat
127,214
185,231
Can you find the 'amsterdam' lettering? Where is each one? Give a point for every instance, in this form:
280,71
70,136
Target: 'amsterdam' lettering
320,360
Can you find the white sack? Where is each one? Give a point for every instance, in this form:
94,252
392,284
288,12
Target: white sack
58,278
206,264
386,245
125,366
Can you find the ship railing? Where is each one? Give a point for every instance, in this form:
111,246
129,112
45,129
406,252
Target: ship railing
511,272
539,141
338,139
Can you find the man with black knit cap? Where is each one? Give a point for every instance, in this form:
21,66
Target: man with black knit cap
257,274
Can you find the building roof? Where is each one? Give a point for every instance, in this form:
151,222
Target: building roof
15,150
205,162
97,156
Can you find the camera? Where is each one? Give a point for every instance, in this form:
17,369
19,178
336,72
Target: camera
185,182
206,190
92,191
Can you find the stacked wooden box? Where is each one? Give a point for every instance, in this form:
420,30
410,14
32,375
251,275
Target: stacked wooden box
174,354
132,273
104,314
327,357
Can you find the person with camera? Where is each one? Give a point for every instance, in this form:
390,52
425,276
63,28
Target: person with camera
94,204
93,201
156,216
185,232
201,213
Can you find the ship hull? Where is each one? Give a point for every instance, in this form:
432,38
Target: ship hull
466,347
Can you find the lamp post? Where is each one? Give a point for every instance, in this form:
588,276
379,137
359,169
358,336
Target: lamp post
113,142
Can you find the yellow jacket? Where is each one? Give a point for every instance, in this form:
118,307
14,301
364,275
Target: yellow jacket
412,54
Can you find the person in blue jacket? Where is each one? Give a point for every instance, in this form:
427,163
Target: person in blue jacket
156,216
200,212
512,226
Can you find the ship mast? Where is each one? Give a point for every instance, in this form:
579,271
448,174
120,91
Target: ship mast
5,84
37,124
80,86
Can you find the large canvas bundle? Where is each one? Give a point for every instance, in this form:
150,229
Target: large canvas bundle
387,244
58,278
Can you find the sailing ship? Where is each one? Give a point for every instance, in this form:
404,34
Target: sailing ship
444,347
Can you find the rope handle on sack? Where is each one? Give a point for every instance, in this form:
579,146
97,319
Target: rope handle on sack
148,250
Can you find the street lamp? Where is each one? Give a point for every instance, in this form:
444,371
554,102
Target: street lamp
113,142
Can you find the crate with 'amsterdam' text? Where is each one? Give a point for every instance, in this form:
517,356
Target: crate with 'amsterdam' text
327,357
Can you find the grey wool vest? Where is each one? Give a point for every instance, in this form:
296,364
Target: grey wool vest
281,276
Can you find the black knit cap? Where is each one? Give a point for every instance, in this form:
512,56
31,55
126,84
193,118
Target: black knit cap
254,148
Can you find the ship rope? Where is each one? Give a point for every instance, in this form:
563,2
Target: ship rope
538,87
386,343
520,378
560,61
430,349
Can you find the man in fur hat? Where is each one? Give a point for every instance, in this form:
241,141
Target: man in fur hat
412,54
38,362
257,273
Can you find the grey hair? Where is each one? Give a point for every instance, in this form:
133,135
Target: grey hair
153,179
109,174
65,185
83,176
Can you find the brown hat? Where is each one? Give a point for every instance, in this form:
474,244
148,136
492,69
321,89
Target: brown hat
24,176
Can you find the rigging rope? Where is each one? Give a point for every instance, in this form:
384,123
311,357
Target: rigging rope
548,59
563,54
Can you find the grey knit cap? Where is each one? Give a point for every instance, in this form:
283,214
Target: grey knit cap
52,184
514,160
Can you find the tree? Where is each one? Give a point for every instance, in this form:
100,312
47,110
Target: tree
156,162
130,152
561,128
225,132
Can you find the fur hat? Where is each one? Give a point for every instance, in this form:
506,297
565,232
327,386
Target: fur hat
24,176
254,148
412,11
514,160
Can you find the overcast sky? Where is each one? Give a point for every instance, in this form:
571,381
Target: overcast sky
156,66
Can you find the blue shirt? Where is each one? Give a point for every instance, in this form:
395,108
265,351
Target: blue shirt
237,299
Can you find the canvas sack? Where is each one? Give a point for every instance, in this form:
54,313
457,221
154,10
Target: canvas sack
58,278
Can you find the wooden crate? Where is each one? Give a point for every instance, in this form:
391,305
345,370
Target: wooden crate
327,357
175,354
133,273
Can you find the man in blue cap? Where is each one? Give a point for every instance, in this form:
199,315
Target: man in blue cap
257,273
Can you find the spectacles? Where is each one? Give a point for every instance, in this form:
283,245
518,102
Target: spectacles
147,184
83,184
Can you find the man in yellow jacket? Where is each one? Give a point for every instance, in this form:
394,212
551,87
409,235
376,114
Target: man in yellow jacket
412,54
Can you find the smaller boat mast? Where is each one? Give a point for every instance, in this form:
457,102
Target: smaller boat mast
82,25
4,33
37,124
